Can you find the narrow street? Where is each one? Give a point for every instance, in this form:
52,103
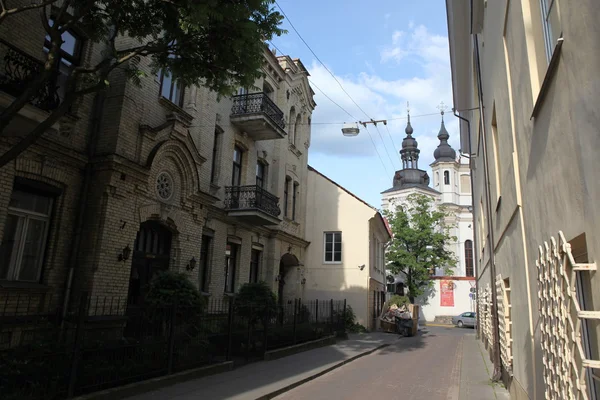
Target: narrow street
423,367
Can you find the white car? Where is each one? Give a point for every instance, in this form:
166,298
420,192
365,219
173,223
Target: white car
465,319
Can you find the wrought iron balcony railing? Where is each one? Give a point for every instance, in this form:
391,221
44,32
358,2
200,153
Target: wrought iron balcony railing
251,197
254,103
18,69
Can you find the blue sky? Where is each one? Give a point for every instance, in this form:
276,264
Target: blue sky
384,53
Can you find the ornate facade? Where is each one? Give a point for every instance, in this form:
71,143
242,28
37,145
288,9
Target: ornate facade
146,178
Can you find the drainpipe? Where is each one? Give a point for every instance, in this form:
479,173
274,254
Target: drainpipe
473,210
497,375
83,197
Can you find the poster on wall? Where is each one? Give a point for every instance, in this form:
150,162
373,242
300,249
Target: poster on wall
447,293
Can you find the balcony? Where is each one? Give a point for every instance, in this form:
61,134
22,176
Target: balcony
252,204
18,69
258,116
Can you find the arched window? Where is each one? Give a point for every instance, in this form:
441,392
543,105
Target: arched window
469,258
292,126
437,178
296,130
446,177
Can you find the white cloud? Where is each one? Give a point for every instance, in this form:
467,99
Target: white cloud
386,99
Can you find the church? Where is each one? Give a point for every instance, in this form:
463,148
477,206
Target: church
451,188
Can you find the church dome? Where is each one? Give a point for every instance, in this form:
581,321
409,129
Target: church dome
444,151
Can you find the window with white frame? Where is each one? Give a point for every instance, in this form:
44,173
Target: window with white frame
333,247
551,24
24,238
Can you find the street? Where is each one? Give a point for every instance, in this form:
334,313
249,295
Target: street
422,367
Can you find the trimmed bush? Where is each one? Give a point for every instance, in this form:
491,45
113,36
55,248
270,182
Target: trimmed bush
170,287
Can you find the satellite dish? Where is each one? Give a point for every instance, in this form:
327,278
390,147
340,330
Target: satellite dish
350,130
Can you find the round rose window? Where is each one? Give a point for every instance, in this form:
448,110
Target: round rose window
164,186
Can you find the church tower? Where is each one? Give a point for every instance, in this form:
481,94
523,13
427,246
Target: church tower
410,179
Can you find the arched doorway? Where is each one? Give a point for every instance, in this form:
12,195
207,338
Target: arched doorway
288,260
151,254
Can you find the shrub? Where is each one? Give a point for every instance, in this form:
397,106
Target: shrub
170,287
255,300
399,300
350,320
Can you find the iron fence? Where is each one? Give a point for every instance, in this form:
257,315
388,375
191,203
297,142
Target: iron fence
47,353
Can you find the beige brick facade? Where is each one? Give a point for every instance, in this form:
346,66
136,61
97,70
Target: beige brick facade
104,169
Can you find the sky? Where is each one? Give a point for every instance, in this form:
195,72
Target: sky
384,53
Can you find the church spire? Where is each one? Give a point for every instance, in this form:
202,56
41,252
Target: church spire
410,148
444,152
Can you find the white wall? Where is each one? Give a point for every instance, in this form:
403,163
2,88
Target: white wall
331,208
431,304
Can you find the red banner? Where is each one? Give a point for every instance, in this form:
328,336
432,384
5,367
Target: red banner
447,293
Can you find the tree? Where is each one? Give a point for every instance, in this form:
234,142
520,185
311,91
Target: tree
419,243
215,43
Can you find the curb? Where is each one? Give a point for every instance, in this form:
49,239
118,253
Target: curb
318,374
439,325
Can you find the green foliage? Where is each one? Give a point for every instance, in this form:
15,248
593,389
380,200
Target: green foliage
256,300
350,320
170,287
415,226
218,44
399,300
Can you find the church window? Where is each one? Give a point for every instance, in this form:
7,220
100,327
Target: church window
446,177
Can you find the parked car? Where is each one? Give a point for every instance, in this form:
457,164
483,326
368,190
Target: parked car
465,319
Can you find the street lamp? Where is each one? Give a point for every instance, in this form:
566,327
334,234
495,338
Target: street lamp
350,130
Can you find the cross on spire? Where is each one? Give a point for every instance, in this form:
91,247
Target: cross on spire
442,107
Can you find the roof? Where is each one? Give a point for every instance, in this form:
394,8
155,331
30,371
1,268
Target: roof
383,220
410,186
343,188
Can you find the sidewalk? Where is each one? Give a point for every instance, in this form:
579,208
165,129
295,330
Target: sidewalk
476,373
269,378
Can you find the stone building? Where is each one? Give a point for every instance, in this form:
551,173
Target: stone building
525,81
450,295
140,179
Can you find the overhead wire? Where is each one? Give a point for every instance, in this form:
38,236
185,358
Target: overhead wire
376,150
341,86
386,148
393,144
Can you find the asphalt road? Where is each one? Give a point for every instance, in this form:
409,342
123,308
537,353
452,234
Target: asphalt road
426,367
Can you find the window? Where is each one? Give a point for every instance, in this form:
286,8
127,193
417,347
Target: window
260,174
286,195
551,23
292,126
333,247
469,258
294,196
25,234
70,55
215,156
437,178
254,265
446,177
236,176
204,262
294,138
170,89
230,267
